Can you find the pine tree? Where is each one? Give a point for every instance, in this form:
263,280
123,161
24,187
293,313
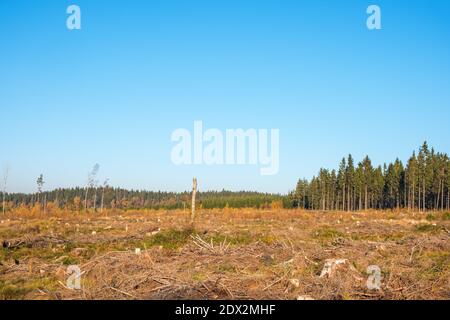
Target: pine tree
359,184
411,180
422,168
378,187
350,176
367,174
40,184
341,177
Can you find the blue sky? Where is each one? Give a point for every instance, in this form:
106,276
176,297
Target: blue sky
113,92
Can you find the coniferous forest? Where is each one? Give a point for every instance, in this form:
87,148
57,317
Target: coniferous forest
422,183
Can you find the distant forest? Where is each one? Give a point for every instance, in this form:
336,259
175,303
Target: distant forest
108,197
422,183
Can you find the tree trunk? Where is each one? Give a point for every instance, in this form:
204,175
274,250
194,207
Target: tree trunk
103,196
404,199
436,205
420,204
95,199
85,199
365,198
424,197
304,202
408,201
448,199
348,199
194,193
360,201
328,199
343,198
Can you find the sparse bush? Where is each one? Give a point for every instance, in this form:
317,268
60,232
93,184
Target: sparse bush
327,233
10,291
170,239
427,228
446,216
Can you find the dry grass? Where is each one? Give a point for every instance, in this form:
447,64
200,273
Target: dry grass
231,254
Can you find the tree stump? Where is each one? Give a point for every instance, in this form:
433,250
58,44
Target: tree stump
194,193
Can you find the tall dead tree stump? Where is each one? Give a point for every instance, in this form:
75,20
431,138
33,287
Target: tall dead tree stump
194,194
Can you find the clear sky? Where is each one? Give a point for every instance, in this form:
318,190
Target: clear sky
113,92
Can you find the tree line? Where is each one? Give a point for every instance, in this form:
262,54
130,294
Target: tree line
422,183
117,198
